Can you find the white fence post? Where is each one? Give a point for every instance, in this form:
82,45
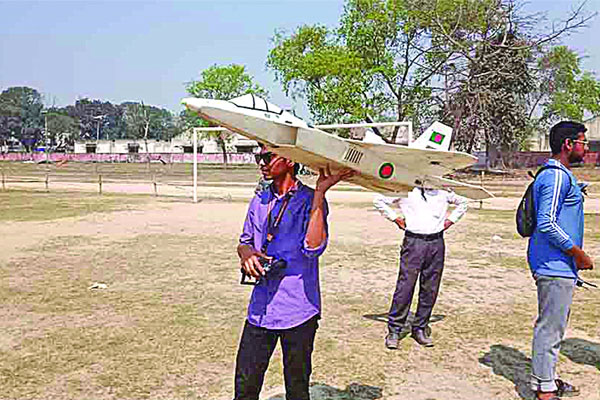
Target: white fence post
195,166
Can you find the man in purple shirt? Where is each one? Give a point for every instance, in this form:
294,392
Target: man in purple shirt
287,221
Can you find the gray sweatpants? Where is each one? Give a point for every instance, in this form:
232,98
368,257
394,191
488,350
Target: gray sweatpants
554,303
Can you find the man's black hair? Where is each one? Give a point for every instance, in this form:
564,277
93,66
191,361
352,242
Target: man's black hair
562,131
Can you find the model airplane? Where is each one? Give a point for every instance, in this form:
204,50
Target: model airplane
382,167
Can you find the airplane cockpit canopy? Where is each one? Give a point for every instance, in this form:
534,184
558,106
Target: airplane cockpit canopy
256,103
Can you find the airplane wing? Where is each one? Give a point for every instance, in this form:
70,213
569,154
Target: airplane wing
464,189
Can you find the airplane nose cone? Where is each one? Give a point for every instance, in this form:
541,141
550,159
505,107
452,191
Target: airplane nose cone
195,103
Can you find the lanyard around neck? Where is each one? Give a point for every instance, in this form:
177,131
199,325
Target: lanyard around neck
272,228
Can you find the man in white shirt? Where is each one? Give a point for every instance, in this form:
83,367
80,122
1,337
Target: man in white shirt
424,218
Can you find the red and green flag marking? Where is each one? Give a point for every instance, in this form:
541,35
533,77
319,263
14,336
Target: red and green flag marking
386,170
437,137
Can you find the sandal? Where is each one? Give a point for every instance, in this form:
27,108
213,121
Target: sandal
565,389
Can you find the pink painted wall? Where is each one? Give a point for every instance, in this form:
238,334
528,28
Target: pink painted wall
217,158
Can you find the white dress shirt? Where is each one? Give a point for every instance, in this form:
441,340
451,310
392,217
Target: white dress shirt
423,215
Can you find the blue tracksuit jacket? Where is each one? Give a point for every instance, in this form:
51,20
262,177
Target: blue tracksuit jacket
559,204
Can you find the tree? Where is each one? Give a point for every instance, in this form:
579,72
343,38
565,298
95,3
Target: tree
468,62
9,128
494,70
138,120
24,103
97,119
150,122
63,130
563,89
220,83
380,61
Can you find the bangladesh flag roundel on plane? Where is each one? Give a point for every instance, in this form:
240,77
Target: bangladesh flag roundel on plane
437,137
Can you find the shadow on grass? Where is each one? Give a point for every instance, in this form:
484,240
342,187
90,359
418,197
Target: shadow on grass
411,316
512,365
581,351
354,391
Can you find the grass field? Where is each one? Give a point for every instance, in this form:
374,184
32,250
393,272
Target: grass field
168,324
511,184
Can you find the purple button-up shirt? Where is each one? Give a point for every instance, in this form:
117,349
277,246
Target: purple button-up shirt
293,296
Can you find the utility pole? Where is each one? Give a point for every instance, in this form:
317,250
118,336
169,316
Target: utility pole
99,118
46,139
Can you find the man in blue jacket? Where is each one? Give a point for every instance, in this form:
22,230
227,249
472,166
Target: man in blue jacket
555,254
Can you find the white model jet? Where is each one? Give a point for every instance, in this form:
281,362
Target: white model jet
382,167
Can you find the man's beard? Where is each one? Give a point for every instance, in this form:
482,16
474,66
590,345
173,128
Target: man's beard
575,158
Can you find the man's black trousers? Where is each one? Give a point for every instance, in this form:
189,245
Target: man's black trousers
423,256
256,347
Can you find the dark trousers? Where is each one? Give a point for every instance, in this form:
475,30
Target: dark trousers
418,257
256,347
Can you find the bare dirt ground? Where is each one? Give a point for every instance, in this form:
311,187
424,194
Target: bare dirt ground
168,323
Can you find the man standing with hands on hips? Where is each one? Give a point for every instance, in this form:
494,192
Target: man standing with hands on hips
286,225
424,218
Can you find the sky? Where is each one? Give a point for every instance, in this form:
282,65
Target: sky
146,51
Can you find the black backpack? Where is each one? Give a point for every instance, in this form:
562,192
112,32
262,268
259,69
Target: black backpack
526,213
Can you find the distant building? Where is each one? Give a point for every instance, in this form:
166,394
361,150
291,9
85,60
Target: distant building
540,141
123,146
11,145
593,132
180,144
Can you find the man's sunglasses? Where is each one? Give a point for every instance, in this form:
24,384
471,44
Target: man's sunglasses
583,142
265,157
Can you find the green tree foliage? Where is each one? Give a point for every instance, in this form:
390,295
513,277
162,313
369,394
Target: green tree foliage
224,83
63,130
564,90
311,63
380,61
467,62
98,119
148,122
21,115
105,120
9,128
488,77
220,83
24,102
493,73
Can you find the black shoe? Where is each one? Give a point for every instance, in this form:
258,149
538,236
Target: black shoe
391,340
565,389
421,337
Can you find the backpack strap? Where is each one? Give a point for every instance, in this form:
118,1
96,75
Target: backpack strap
550,167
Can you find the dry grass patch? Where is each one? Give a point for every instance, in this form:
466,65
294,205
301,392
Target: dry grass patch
21,205
168,324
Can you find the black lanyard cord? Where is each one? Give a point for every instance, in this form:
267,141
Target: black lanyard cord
272,229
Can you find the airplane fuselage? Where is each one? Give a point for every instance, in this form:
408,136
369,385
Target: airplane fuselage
383,168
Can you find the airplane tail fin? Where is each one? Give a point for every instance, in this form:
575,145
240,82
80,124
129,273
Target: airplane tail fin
436,137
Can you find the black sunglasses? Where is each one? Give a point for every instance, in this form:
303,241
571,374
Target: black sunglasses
265,157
